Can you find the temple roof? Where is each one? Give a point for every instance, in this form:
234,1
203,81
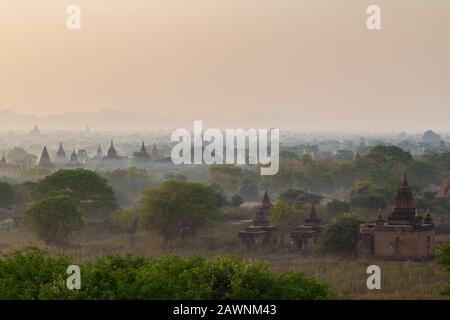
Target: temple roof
154,153
266,201
74,156
61,154
404,211
405,199
263,212
143,149
313,217
45,161
112,153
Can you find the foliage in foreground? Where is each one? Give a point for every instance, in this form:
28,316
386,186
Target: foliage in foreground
32,274
444,260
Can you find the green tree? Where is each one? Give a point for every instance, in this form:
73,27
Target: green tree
6,195
444,260
249,190
21,159
129,183
33,274
337,207
236,201
341,235
285,217
365,195
178,209
300,198
87,187
54,219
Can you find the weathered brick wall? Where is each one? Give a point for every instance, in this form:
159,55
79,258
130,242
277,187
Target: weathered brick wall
410,244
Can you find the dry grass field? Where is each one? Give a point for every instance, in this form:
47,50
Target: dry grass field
347,277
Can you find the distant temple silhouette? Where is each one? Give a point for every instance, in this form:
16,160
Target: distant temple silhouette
45,161
61,156
112,153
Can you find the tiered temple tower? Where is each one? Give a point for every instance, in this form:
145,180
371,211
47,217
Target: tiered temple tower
261,232
305,236
112,153
405,234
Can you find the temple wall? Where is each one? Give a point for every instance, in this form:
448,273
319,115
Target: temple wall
404,244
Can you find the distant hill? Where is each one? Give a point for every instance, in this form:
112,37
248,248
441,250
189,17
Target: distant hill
113,120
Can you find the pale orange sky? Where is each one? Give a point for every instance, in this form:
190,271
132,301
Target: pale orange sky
313,59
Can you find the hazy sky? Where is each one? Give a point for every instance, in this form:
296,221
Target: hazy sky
313,59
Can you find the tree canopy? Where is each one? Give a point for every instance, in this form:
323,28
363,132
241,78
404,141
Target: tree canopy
178,209
54,218
87,187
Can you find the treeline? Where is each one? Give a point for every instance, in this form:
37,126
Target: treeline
32,274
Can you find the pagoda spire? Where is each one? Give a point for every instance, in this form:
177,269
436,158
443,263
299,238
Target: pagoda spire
3,159
143,149
266,199
45,161
61,154
112,153
74,157
313,218
405,199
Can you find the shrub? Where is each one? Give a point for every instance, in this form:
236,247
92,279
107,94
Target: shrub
444,260
32,274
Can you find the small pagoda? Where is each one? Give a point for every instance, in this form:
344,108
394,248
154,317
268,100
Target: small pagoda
305,236
261,232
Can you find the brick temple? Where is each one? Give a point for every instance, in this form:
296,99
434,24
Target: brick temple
261,232
404,235
305,236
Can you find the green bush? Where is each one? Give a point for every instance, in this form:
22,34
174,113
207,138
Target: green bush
32,274
444,260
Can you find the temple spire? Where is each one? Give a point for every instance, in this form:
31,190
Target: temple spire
74,157
3,160
266,199
405,200
61,154
313,218
45,161
112,153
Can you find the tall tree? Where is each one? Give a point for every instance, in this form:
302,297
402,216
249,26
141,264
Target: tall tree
54,218
285,217
90,189
178,209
